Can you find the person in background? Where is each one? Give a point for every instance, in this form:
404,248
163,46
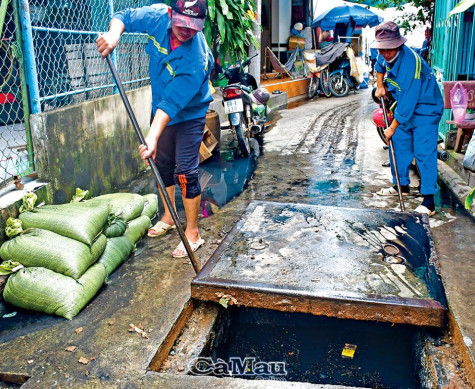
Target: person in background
414,129
180,66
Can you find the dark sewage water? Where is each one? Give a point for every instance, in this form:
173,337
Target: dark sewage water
317,350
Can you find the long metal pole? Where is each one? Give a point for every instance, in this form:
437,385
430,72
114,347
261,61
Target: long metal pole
29,56
393,156
161,185
24,90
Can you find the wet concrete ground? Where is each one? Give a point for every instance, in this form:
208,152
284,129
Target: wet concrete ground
325,152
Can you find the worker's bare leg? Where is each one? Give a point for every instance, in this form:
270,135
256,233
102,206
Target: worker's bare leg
167,216
192,208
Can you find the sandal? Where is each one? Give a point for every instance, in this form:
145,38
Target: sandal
159,229
424,210
391,191
180,251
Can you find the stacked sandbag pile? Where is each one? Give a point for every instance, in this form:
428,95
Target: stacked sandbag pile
69,250
59,248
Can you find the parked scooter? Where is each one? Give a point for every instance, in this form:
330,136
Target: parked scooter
340,81
245,104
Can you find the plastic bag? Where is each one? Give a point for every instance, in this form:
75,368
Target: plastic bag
459,102
469,159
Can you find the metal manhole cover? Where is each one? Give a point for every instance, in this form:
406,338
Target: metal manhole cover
329,261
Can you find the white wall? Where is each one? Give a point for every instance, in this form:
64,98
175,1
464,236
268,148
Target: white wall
281,17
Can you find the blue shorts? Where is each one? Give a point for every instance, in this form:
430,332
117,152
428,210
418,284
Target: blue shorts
178,156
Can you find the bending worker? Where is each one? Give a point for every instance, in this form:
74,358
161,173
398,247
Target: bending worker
180,65
420,105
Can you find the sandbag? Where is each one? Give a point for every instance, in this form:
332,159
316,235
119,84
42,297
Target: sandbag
126,205
80,221
43,290
151,205
43,248
115,226
117,251
137,228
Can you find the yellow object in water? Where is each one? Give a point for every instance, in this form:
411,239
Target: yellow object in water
348,351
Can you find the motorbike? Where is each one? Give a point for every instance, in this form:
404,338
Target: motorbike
318,76
340,81
245,104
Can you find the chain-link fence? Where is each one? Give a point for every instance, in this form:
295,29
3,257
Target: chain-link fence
61,58
16,157
69,68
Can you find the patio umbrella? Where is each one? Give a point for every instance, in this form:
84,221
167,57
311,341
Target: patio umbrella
344,14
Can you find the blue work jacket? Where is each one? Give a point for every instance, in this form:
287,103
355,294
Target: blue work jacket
412,83
179,78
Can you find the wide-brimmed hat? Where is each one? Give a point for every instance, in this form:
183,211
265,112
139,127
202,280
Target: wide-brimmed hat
388,36
189,14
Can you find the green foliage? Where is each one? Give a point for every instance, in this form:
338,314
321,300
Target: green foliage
462,7
229,27
409,21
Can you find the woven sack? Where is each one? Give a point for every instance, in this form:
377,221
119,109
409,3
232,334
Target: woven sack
127,205
43,248
137,228
115,226
151,205
117,251
80,221
43,290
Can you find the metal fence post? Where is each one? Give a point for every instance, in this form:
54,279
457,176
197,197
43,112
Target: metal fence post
24,90
29,56
113,54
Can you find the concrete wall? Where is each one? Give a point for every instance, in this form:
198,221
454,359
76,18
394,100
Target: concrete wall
91,145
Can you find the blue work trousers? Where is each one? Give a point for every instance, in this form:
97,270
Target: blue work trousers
419,142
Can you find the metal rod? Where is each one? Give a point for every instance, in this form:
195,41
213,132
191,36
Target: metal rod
92,88
24,91
161,185
393,156
29,56
79,32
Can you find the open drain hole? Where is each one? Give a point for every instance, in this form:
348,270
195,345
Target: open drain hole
253,343
13,378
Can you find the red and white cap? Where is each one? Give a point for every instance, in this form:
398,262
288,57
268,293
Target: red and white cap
189,14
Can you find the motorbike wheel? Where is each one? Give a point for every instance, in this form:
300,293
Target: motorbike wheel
338,85
242,137
313,86
325,85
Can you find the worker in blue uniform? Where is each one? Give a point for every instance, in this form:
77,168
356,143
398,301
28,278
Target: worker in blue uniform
414,129
180,65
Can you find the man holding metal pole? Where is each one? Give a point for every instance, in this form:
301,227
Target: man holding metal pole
414,129
180,65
